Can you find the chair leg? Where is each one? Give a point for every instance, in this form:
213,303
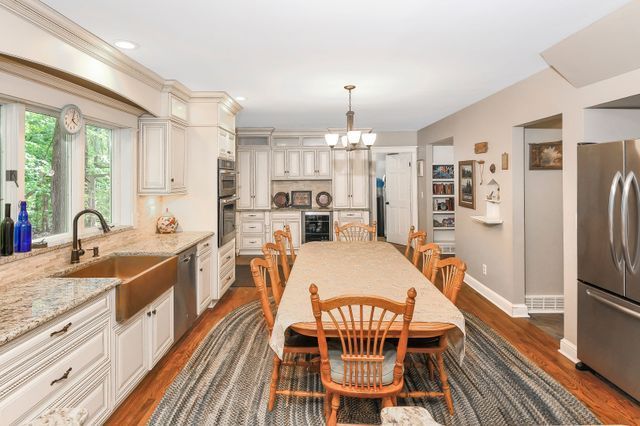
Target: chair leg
274,382
335,406
387,402
431,367
327,406
445,383
394,400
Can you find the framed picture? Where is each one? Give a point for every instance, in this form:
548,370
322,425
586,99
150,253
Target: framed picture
443,171
545,156
467,184
301,199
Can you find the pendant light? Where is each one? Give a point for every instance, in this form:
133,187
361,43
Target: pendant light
352,139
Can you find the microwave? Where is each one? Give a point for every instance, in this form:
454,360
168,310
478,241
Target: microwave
227,178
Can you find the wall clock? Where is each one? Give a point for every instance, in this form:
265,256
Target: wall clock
71,119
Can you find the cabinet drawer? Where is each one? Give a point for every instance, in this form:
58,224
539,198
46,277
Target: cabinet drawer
205,246
286,216
351,214
53,378
36,346
227,260
225,252
253,227
252,242
251,215
227,277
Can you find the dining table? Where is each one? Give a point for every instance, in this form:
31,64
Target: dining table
360,268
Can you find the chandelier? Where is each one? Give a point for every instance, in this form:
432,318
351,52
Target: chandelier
351,140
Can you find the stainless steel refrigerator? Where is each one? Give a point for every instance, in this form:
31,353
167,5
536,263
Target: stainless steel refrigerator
609,261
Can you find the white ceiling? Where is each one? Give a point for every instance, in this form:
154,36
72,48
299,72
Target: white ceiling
413,61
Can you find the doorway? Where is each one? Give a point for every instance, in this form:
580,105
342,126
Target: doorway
394,203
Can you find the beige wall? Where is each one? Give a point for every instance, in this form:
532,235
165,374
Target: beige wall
493,119
402,138
543,221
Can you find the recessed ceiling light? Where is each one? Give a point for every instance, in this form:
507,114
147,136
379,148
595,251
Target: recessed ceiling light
240,98
125,44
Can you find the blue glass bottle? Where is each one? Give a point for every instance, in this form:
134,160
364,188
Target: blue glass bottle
22,233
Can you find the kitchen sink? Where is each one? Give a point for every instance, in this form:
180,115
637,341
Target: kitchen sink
144,278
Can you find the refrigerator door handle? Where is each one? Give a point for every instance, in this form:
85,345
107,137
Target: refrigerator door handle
629,181
614,305
615,184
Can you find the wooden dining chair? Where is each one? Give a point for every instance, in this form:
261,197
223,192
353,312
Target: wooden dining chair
295,344
283,238
271,253
430,255
355,231
451,272
416,239
362,364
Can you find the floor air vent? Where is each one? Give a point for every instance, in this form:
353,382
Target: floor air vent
545,304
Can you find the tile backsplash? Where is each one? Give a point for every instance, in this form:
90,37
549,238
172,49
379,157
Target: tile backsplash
314,186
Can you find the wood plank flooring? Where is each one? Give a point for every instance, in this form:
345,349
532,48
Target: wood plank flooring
609,404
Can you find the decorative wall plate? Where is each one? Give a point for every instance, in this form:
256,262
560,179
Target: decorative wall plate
323,199
281,200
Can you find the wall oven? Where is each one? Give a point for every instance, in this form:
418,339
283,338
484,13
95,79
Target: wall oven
227,176
226,219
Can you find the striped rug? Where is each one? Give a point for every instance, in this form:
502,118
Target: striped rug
226,382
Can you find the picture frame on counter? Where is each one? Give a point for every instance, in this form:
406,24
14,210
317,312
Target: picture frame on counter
301,199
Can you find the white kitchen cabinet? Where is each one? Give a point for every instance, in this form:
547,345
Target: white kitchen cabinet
226,145
294,166
130,354
351,179
287,164
316,164
254,179
293,219
205,280
162,157
253,231
226,269
161,326
279,163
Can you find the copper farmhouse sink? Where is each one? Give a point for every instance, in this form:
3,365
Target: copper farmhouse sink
144,278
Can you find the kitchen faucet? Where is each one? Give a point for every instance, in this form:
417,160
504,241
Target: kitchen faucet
77,244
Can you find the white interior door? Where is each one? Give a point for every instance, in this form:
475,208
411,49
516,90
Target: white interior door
398,197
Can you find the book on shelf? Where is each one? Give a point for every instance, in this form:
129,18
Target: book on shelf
443,204
443,188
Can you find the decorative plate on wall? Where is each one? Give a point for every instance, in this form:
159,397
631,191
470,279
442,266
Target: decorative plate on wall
281,200
323,199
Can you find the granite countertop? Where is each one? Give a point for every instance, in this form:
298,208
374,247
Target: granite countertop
30,304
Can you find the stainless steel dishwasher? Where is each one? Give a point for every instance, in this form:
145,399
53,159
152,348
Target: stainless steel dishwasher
184,297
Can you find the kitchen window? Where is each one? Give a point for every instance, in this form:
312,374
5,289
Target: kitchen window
98,155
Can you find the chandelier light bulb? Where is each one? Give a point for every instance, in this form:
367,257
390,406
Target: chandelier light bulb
353,136
331,139
369,138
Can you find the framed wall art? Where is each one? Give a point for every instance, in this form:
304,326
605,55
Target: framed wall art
545,156
467,184
301,199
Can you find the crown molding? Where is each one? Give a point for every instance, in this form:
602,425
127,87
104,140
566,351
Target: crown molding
248,131
217,96
68,31
42,77
176,88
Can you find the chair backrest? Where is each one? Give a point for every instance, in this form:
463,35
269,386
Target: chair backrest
283,238
355,232
271,252
260,270
362,324
430,254
415,239
451,272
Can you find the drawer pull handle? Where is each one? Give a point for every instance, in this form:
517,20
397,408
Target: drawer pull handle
148,314
63,377
61,331
201,269
153,312
228,257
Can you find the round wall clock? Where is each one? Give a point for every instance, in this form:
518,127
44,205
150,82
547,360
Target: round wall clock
71,119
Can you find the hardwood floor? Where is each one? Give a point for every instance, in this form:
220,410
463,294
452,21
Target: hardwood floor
609,404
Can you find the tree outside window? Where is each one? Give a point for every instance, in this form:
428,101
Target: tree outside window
97,173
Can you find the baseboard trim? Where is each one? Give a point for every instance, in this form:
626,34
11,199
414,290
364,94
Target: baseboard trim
569,350
516,310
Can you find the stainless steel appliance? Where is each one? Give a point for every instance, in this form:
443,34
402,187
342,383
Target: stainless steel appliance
226,219
316,226
184,294
609,261
227,178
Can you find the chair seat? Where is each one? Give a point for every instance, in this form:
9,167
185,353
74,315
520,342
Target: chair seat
337,365
427,342
297,340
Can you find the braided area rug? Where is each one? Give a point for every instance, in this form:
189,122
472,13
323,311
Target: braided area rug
226,382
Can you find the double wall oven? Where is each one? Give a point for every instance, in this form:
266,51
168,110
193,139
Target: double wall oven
227,199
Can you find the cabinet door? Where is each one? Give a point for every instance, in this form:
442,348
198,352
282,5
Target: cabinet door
130,346
245,180
231,145
309,164
261,180
153,162
341,193
204,281
279,163
359,171
178,158
161,320
323,164
222,144
294,225
294,163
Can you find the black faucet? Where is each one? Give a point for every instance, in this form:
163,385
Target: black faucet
77,244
